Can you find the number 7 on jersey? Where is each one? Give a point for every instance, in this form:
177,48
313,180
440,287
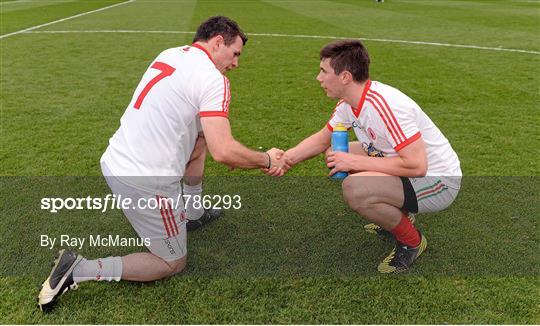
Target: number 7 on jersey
166,71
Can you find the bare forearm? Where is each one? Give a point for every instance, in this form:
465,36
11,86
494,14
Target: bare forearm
309,147
396,166
225,149
238,156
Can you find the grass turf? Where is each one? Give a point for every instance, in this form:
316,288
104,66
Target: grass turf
63,94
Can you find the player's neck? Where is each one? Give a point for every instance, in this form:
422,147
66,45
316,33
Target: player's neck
206,48
353,93
205,45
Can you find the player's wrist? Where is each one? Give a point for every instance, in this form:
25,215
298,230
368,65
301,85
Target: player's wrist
292,158
268,163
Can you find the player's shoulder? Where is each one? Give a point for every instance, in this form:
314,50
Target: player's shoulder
201,61
386,95
171,57
210,79
382,89
341,105
195,65
191,58
214,77
170,52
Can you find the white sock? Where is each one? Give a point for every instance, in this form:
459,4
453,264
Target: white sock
192,213
101,269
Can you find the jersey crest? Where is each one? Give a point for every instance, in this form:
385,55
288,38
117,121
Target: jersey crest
372,151
371,133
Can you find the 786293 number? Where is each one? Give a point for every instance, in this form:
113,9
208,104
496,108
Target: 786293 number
213,201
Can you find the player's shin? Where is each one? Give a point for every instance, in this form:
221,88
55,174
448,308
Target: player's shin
101,269
193,211
406,233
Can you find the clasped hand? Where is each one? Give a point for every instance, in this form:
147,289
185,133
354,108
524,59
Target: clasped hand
279,163
340,162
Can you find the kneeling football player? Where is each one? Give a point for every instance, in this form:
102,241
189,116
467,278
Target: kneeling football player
179,110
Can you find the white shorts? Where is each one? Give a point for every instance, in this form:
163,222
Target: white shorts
435,194
163,224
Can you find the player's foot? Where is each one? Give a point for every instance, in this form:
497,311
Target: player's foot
208,216
402,257
60,280
375,229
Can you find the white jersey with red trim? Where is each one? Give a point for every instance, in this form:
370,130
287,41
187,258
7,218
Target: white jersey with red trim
161,124
386,121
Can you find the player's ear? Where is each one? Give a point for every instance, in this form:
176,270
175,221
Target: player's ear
346,77
219,40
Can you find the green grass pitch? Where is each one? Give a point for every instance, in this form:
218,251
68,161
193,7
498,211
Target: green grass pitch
294,253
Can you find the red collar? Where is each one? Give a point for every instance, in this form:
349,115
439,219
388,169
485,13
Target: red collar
198,46
356,111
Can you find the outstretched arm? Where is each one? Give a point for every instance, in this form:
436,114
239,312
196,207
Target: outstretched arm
225,149
310,147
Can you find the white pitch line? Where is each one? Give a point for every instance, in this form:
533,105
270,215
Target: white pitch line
26,30
16,1
477,47
405,42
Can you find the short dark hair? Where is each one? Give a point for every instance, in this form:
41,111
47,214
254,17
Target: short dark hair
220,25
348,55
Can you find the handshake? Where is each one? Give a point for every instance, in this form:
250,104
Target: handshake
280,163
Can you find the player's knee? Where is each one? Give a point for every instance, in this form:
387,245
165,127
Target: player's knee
176,266
355,193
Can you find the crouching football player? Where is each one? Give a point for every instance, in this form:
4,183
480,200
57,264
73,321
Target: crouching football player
401,163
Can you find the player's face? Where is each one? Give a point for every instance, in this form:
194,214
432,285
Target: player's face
227,57
329,81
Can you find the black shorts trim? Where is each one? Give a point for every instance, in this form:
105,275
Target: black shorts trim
410,203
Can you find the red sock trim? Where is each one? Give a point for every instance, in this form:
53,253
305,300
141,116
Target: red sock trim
406,233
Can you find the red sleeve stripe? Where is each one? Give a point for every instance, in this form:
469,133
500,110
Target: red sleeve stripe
329,126
407,142
229,94
204,114
226,95
387,108
383,117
